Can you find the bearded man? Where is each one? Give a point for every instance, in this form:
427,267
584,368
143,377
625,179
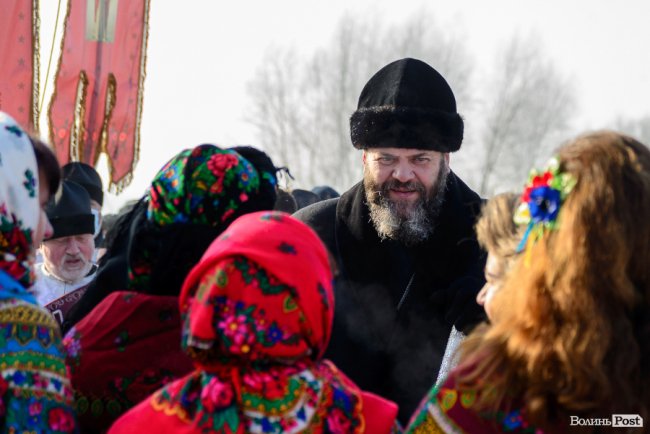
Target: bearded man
409,266
67,265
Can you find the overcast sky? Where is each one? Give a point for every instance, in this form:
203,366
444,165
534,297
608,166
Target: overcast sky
201,55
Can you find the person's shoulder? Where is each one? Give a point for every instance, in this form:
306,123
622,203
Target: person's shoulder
316,212
463,201
321,217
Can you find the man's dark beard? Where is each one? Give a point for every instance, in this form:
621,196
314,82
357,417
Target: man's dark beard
394,220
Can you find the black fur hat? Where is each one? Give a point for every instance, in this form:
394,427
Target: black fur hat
407,104
69,211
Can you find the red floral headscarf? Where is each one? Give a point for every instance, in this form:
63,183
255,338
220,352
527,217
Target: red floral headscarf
261,292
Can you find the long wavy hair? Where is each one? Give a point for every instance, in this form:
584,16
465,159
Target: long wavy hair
571,330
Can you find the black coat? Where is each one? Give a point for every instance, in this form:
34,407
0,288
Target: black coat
388,339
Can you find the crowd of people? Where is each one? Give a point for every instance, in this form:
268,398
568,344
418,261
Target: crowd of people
219,302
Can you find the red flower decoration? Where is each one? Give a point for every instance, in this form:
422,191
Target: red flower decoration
216,395
337,422
61,420
219,163
542,180
227,214
35,408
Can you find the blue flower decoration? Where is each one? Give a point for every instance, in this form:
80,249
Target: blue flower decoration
19,377
512,421
342,399
541,201
274,334
544,204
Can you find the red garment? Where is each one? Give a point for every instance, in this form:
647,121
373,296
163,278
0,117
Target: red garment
19,53
122,351
258,312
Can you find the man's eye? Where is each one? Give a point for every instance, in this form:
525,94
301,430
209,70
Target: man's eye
422,159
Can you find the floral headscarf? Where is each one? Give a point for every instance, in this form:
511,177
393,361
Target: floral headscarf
205,185
258,313
262,291
19,207
201,190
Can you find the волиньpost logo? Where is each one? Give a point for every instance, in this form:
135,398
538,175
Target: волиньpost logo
617,420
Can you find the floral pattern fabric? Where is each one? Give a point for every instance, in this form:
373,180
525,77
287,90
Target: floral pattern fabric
35,393
19,207
205,185
257,317
448,409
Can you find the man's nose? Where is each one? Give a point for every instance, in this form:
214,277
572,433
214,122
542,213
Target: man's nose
72,246
403,172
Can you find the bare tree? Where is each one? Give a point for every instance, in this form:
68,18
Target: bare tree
301,108
529,105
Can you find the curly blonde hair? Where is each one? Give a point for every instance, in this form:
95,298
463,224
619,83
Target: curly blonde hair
571,330
496,230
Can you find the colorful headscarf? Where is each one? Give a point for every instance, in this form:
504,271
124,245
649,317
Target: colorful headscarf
258,313
202,189
205,185
262,292
19,207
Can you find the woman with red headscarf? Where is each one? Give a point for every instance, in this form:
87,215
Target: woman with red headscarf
258,312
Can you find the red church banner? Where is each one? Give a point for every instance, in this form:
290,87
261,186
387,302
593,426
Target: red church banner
97,101
19,60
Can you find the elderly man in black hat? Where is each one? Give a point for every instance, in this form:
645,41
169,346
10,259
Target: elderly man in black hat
67,255
403,239
86,176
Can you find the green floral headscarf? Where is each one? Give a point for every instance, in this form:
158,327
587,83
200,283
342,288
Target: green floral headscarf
197,194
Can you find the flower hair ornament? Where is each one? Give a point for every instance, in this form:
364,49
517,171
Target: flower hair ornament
541,201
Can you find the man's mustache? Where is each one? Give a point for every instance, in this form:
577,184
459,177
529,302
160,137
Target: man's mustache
74,258
394,184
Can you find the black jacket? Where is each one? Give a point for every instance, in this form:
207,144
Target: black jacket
388,339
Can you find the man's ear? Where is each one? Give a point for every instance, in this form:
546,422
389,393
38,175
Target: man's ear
363,157
447,156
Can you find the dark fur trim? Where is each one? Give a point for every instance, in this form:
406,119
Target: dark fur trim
397,127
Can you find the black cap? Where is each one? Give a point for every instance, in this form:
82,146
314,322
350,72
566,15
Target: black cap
407,104
69,211
304,198
325,192
86,176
